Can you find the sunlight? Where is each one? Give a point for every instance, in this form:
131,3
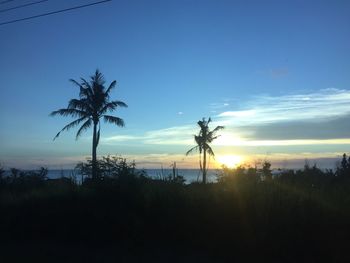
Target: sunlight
228,138
230,161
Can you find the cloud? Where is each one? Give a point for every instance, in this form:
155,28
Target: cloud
178,135
238,114
318,118
317,106
120,138
323,129
295,119
274,142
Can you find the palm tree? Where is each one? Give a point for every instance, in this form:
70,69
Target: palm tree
202,140
92,105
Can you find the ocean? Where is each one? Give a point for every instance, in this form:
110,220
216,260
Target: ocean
190,175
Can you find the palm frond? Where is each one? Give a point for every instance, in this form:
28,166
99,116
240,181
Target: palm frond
217,128
81,104
69,112
112,119
191,150
199,141
69,126
83,127
110,106
76,83
83,93
119,103
201,124
98,78
212,134
210,139
85,83
111,87
210,151
87,91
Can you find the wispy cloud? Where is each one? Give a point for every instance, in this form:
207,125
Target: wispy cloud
325,104
238,114
180,135
229,141
120,138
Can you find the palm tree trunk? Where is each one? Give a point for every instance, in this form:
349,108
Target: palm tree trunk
94,158
204,166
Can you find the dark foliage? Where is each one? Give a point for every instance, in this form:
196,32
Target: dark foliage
295,216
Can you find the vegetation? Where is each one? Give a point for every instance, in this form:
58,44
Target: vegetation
203,139
93,104
296,216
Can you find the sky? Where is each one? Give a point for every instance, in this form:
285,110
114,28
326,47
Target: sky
276,74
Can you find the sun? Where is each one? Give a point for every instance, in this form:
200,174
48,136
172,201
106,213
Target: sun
230,161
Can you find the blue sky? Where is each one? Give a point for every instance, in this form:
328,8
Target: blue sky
274,73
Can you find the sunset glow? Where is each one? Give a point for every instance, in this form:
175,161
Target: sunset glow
230,161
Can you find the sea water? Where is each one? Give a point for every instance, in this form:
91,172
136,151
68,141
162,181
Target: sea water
190,175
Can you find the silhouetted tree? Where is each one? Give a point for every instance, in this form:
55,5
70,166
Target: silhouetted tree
344,168
174,170
344,162
2,173
14,173
266,170
203,139
93,104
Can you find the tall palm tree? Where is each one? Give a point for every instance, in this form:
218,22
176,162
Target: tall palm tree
92,105
203,139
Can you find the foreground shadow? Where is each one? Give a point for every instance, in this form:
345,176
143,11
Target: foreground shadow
298,216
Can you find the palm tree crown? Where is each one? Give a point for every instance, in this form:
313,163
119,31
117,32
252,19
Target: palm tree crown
203,139
93,104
